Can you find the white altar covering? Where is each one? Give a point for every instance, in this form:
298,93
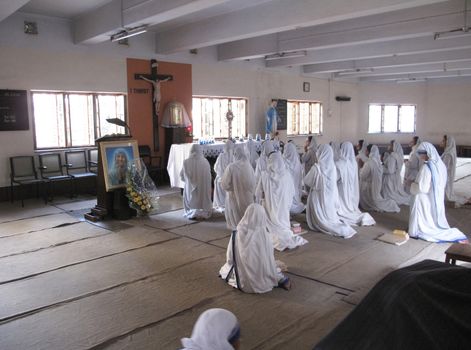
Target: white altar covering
180,152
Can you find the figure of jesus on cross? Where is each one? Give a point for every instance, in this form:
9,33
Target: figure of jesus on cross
155,79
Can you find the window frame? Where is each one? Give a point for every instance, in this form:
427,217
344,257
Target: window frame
229,98
298,121
398,130
67,132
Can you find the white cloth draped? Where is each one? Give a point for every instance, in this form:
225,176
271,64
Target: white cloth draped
252,155
427,213
239,183
266,150
196,173
392,187
275,189
323,199
349,188
254,254
309,158
212,331
449,159
412,167
335,149
295,168
371,177
362,153
222,162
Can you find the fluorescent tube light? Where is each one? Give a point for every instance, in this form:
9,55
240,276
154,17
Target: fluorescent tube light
411,80
291,54
127,33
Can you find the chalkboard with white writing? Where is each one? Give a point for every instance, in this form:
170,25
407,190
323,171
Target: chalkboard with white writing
13,110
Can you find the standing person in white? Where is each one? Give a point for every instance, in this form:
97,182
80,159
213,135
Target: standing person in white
371,178
275,190
254,256
427,213
392,187
349,189
251,151
196,173
222,162
239,183
293,163
412,165
323,199
449,159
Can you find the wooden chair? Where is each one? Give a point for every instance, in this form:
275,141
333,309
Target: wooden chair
52,170
93,160
152,163
77,166
23,172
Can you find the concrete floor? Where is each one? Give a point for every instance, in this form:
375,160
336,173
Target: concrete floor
140,284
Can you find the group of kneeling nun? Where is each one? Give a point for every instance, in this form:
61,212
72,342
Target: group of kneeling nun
258,202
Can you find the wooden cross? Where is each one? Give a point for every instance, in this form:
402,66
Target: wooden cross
155,79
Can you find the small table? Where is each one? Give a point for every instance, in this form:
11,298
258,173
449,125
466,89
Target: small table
460,252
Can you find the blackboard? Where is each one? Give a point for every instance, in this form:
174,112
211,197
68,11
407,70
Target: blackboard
282,111
13,110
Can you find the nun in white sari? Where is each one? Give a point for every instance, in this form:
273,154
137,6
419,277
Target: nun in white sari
449,159
275,191
239,183
349,189
392,187
371,177
256,270
412,165
293,163
252,154
309,157
323,199
267,149
215,329
362,156
427,213
223,160
196,173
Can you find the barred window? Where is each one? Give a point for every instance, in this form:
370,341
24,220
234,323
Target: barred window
209,116
69,119
304,117
391,118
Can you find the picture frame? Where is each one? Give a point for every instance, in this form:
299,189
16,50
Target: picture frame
116,157
306,86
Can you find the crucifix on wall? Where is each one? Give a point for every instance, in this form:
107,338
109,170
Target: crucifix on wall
155,79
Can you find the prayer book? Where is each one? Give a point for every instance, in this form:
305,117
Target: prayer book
395,239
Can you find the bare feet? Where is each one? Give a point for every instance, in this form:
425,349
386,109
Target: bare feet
285,283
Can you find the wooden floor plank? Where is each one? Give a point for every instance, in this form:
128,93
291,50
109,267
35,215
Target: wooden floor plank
78,281
30,264
89,322
47,238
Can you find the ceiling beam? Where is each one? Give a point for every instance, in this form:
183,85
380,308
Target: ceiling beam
8,7
272,17
99,24
423,68
412,77
410,23
373,50
416,59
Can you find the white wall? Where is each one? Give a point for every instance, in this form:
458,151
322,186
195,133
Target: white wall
443,107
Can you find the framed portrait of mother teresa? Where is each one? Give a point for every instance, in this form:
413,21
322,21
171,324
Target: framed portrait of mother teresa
117,157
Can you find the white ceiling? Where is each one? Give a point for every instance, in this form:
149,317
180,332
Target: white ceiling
364,39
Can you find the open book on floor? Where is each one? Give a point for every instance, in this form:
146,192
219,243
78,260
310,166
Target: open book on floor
398,237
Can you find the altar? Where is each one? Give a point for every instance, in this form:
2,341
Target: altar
180,152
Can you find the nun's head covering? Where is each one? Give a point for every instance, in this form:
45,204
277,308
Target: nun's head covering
276,165
290,153
239,154
229,146
335,149
450,147
215,329
325,158
268,148
374,154
430,150
196,151
346,151
397,148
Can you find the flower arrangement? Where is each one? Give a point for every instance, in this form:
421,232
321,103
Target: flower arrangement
140,189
